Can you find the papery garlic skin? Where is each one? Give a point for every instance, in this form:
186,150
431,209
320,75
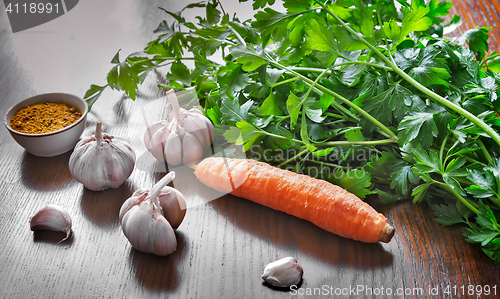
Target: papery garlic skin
283,273
53,218
172,203
183,138
139,196
149,217
148,231
102,161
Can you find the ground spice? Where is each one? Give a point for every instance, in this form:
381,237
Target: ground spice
44,117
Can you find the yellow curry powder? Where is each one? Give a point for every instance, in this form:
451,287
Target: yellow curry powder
44,117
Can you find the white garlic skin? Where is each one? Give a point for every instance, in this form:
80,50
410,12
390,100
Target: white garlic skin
172,203
148,231
183,138
139,196
102,161
283,273
149,217
53,218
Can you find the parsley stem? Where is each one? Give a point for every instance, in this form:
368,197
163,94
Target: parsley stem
466,202
284,82
293,158
334,115
432,95
346,112
485,151
350,62
441,151
238,36
282,137
329,164
343,142
375,121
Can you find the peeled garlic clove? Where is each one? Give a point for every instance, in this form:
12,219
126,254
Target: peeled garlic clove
191,149
283,273
148,231
173,205
54,218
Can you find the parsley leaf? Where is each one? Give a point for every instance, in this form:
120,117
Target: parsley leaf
355,181
243,134
233,112
418,126
447,214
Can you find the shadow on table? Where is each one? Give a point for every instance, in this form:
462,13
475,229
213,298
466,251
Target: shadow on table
46,173
53,237
102,207
158,273
286,231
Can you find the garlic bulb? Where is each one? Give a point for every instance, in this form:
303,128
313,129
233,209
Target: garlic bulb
54,218
171,201
149,217
102,161
182,139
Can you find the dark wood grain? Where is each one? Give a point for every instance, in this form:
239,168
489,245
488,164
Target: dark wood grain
223,244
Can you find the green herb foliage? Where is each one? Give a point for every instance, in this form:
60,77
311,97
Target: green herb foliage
366,94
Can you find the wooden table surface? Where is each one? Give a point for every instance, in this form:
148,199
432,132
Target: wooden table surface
223,243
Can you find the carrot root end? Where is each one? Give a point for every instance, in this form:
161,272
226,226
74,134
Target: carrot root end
387,234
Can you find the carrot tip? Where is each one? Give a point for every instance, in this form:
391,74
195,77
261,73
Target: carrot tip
387,234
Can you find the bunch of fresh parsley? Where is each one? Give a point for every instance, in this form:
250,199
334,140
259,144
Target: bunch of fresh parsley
317,86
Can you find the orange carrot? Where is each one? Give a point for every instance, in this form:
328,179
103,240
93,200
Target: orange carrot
320,202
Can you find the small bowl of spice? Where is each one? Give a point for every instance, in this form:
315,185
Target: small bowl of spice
49,124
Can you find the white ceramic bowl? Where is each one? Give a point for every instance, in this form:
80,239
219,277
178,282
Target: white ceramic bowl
52,143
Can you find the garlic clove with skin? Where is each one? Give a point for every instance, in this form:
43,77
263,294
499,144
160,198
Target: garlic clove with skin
148,136
53,218
173,205
197,127
158,139
191,149
173,149
136,198
192,133
148,231
144,217
171,201
283,273
102,161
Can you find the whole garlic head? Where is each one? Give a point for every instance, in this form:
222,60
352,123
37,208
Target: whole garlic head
149,217
183,138
102,161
